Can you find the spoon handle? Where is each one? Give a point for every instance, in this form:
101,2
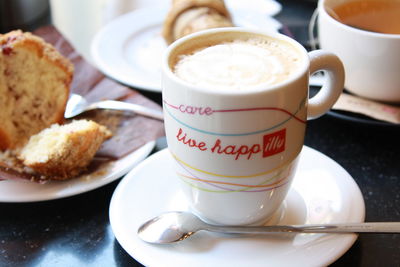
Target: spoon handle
119,105
371,227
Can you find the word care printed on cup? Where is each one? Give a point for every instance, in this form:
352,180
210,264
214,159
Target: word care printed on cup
235,110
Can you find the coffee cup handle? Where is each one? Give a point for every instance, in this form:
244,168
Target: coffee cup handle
328,62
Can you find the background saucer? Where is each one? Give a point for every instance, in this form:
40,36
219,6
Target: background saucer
129,49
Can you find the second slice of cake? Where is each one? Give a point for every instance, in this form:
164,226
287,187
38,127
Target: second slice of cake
64,151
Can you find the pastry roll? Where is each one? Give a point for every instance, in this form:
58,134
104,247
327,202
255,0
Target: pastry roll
188,16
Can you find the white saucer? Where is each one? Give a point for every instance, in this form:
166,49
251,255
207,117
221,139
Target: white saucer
26,191
129,49
322,192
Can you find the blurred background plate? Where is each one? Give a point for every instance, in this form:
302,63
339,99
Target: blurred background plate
129,49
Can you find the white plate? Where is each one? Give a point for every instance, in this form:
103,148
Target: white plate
129,49
322,192
25,191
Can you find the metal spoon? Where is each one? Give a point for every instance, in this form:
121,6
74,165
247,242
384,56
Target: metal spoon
176,226
77,105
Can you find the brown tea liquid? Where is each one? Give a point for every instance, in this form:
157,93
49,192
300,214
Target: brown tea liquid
376,16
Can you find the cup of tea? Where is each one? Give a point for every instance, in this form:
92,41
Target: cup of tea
235,109
366,37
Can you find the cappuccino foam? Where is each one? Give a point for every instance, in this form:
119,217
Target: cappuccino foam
239,64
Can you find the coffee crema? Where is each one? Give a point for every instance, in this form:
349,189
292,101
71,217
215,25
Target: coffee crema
381,16
239,64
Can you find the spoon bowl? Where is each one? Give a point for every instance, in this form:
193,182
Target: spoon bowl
170,227
178,225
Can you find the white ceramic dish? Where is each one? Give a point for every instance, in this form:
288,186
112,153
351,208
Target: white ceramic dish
129,48
25,191
322,192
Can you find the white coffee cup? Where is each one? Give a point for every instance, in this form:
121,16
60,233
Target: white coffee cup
371,60
236,150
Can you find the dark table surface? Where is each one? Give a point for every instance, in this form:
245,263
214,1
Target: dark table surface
76,231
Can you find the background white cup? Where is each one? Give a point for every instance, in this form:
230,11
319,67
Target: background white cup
371,60
236,151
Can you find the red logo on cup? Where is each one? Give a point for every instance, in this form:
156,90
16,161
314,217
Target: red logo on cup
274,143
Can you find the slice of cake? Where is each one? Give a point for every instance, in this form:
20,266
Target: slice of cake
62,152
34,87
